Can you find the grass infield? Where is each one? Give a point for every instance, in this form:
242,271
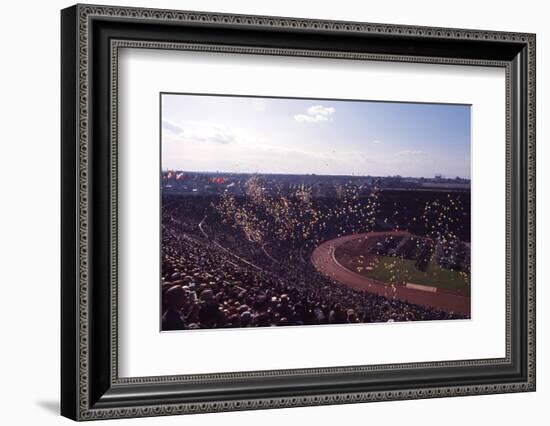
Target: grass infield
392,269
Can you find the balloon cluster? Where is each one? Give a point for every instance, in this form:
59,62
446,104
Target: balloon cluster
291,214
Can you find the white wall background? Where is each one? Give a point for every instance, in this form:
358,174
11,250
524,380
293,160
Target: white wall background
29,211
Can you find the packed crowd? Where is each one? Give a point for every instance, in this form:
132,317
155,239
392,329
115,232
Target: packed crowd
214,278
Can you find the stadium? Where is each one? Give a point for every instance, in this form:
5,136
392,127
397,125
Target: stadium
241,250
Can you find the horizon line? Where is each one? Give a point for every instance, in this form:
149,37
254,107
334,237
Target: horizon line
311,174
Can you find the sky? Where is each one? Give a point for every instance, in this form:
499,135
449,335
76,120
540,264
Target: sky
314,136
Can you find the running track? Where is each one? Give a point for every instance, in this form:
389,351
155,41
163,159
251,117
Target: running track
323,260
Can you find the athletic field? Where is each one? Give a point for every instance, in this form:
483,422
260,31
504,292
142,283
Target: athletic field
350,260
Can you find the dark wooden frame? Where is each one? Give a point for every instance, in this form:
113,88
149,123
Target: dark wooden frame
90,386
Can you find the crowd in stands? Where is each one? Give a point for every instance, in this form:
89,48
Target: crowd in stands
214,278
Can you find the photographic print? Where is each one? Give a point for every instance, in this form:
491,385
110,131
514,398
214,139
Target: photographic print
293,211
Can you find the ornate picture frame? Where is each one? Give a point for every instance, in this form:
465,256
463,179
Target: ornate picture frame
91,37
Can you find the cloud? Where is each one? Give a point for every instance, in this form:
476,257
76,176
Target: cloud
409,153
216,134
172,127
376,142
198,132
316,114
